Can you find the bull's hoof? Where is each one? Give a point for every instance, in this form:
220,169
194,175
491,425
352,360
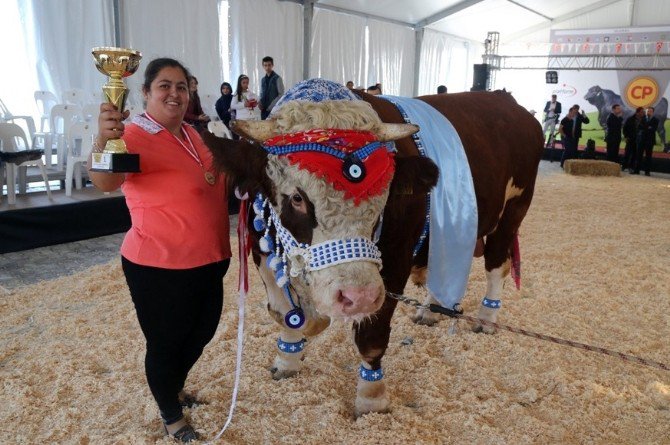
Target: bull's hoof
278,374
480,328
425,318
371,397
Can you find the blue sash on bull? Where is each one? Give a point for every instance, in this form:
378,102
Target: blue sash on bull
453,205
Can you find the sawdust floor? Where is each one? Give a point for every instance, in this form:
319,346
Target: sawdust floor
596,269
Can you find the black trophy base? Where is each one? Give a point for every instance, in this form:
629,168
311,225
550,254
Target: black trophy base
116,163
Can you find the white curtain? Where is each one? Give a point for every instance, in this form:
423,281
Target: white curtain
391,57
186,31
262,28
59,37
338,47
446,60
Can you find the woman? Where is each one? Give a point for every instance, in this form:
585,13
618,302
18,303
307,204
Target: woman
245,103
223,103
177,251
195,116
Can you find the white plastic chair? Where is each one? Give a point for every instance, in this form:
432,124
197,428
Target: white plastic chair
219,129
9,133
62,116
77,96
80,140
208,103
45,101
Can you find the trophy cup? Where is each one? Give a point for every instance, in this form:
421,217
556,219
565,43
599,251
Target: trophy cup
116,63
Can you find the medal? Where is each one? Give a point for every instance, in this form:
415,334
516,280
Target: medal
210,178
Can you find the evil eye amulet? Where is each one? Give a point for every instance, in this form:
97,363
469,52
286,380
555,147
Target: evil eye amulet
353,169
294,318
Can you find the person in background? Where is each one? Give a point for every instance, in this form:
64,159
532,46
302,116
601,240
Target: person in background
177,250
194,114
245,102
272,88
569,138
580,119
649,125
552,113
350,84
630,133
223,103
442,89
374,90
613,133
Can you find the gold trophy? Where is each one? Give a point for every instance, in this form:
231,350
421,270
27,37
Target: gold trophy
116,63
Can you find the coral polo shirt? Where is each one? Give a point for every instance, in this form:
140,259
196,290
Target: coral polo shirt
179,221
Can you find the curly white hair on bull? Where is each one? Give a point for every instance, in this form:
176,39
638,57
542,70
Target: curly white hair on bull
342,114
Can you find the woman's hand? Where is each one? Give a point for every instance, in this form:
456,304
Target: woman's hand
110,123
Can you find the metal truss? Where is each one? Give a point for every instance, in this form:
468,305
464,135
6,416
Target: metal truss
600,62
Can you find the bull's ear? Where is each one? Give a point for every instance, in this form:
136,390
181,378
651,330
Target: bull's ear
258,131
414,175
243,163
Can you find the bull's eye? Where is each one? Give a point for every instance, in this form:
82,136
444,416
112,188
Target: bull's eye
298,202
296,198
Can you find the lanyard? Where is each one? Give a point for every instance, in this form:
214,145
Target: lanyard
190,149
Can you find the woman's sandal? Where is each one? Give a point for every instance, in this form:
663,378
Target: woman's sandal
185,434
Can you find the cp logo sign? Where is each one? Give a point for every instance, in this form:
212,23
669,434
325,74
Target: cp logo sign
642,91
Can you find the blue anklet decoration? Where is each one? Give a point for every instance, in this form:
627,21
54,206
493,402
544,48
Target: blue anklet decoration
291,348
493,304
370,375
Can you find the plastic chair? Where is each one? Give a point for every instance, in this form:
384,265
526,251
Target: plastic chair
77,96
62,116
219,129
13,158
45,101
80,140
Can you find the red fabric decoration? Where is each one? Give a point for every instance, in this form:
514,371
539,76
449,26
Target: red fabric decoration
379,166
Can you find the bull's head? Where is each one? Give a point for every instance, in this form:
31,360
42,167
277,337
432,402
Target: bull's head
594,95
313,207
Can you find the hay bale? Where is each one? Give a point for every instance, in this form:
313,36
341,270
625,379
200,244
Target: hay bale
591,167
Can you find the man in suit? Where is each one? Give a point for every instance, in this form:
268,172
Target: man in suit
613,133
630,133
552,112
568,135
647,132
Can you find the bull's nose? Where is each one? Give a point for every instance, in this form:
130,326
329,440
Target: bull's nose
360,299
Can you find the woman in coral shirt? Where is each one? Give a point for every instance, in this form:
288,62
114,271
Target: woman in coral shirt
178,249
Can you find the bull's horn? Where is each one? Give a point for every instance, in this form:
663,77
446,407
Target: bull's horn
258,131
393,132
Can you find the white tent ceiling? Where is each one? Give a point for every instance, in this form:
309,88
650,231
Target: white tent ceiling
514,19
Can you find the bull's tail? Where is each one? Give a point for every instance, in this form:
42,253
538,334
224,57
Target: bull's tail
516,261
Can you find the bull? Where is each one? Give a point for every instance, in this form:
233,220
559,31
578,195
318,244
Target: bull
304,209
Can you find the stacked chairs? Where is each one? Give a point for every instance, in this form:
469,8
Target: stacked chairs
45,101
12,159
77,96
80,141
62,116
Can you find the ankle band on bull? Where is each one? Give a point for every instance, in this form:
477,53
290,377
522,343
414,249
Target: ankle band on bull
493,304
370,375
291,348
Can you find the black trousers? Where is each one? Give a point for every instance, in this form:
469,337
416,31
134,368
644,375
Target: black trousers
178,311
629,154
644,149
569,149
613,150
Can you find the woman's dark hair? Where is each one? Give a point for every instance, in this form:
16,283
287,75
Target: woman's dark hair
156,65
226,84
238,91
190,78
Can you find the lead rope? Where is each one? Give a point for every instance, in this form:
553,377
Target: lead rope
243,287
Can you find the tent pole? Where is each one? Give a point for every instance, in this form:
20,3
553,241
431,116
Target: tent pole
117,23
308,14
418,34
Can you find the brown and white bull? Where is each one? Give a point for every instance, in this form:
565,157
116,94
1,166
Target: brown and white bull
503,145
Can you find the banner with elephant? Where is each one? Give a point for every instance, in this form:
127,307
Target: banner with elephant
597,90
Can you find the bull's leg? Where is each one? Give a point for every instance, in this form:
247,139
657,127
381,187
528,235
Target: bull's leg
495,280
423,316
372,338
291,342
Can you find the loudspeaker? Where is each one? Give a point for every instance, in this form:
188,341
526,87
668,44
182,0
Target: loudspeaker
481,76
551,76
